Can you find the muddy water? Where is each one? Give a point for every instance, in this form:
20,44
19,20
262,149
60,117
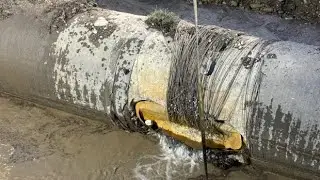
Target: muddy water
41,143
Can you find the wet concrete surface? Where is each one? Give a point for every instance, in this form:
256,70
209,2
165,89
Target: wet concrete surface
42,143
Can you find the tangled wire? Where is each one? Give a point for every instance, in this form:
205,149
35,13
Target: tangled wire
230,76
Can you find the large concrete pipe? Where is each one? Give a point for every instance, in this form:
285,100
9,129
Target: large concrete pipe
103,62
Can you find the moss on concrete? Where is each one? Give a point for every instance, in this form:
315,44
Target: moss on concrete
164,21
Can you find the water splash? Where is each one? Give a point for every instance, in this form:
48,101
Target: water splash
5,152
175,161
178,161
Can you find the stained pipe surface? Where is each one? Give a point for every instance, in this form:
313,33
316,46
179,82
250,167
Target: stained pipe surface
103,60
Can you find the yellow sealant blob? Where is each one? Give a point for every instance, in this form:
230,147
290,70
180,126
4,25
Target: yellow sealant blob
231,139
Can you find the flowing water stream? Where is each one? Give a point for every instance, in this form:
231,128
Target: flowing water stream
39,143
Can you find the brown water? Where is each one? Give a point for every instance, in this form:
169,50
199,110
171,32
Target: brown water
38,143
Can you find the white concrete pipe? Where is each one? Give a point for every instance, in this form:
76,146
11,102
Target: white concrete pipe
101,61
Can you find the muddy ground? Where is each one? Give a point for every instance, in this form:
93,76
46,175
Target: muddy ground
42,143
261,25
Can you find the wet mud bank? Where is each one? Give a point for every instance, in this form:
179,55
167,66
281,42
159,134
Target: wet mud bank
261,25
99,63
299,9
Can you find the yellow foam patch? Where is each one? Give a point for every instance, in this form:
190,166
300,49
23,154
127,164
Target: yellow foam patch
231,139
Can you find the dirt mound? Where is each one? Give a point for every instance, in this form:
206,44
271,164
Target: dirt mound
298,9
6,8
